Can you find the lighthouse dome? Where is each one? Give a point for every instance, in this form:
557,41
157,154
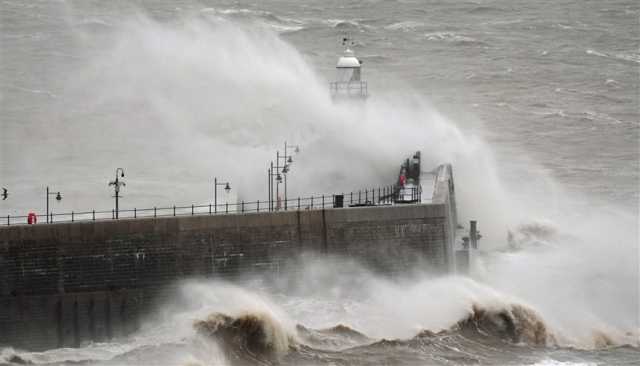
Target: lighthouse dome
348,60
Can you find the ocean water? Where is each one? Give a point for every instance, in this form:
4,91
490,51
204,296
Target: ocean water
536,105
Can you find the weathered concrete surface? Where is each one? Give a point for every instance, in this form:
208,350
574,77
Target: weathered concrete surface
61,284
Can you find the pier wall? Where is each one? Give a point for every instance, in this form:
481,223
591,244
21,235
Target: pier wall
62,284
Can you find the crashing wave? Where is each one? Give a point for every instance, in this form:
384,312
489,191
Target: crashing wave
515,323
250,338
531,234
337,337
9,356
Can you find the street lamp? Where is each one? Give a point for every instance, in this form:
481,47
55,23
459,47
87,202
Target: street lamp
296,148
116,186
227,188
58,198
272,172
288,159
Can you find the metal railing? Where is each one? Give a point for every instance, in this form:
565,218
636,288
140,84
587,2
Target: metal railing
387,195
348,89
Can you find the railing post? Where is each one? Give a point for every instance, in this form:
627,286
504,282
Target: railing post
8,220
226,207
174,210
71,216
378,194
242,207
366,195
93,215
298,203
135,213
323,201
209,209
311,201
359,196
258,206
113,214
192,209
351,198
154,211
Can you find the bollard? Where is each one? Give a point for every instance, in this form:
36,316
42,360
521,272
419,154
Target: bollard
473,234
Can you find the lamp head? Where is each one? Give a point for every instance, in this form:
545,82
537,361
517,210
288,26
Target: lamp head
58,196
285,170
279,178
297,150
290,160
227,188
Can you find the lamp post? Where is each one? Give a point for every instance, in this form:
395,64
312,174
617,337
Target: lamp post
227,189
270,184
272,172
279,171
288,161
116,186
279,177
58,198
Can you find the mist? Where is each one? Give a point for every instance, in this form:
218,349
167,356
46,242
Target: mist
178,103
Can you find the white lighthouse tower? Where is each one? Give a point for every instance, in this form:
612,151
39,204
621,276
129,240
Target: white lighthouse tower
349,83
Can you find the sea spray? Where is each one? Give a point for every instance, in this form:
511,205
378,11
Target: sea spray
174,98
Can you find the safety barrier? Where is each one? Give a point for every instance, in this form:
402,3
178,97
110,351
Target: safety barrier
368,197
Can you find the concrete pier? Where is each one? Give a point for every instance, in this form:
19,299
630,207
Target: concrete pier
61,284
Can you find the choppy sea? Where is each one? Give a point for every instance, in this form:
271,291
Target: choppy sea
535,103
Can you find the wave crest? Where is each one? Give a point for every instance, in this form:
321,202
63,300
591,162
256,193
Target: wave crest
248,338
515,322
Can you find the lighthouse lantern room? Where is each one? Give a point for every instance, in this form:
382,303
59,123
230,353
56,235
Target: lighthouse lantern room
349,83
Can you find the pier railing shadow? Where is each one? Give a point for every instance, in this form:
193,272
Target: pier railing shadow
387,195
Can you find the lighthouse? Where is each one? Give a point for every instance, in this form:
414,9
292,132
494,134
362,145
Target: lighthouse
348,82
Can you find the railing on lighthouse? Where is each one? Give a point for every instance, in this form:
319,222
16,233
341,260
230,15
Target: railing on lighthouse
349,83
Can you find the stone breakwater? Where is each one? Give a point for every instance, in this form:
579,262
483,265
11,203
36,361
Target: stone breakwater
61,284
